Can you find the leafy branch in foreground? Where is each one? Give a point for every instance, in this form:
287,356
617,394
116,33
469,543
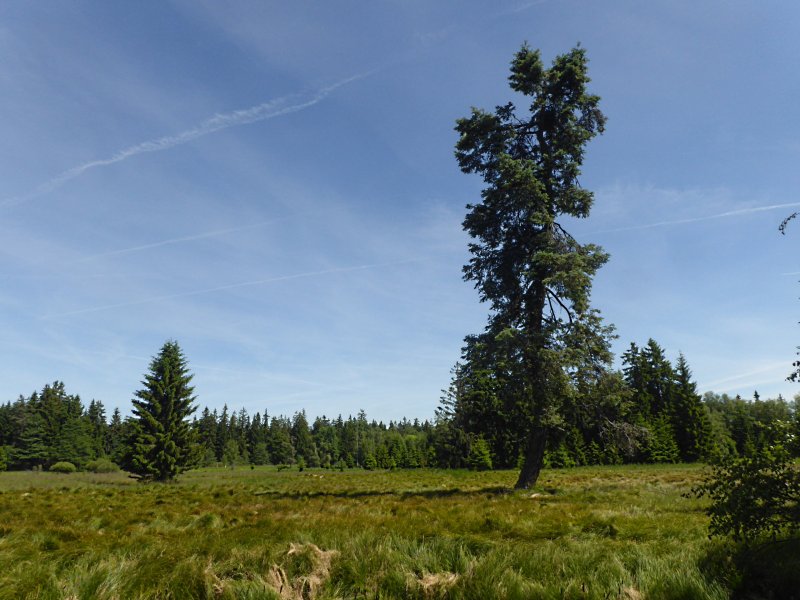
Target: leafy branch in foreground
753,496
785,222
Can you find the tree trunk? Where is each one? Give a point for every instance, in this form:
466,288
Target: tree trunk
533,459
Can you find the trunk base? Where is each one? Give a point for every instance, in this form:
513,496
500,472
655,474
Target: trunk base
533,459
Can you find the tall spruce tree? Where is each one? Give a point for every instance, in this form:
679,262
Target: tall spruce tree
535,275
689,417
163,443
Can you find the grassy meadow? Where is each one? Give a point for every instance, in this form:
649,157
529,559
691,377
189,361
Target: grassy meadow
591,532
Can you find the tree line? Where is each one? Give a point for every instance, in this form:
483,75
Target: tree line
650,412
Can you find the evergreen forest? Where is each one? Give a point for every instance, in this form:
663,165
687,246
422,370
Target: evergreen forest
650,412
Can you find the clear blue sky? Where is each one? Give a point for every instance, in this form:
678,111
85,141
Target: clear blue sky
273,185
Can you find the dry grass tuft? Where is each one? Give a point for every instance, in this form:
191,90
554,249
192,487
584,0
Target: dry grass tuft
303,587
631,593
436,585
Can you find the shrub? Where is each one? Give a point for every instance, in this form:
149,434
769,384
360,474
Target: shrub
753,496
102,465
63,467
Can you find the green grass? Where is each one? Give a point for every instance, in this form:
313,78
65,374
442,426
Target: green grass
600,532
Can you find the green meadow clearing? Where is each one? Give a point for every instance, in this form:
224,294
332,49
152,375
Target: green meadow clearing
590,532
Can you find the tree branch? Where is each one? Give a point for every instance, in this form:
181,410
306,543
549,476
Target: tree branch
551,293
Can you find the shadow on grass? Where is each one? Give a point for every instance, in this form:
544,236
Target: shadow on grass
427,494
765,571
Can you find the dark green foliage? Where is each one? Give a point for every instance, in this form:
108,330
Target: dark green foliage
666,404
302,440
744,428
97,429
115,436
102,465
534,274
754,496
760,571
259,455
63,467
162,443
48,427
689,417
370,462
480,458
32,448
230,454
602,421
281,450
661,446
3,458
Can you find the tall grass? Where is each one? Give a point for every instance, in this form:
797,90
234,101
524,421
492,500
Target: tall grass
599,532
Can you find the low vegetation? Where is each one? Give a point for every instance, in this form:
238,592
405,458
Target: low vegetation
589,532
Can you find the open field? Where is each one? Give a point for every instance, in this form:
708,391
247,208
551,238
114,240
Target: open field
594,532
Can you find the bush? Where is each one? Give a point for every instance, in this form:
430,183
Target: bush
754,496
63,467
102,465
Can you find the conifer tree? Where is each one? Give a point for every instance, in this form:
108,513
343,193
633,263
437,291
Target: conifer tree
480,457
32,449
536,276
689,417
115,437
163,444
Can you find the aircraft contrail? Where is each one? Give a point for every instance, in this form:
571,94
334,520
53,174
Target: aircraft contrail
731,213
189,238
231,286
261,112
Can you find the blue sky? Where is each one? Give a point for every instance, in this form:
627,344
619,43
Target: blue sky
273,185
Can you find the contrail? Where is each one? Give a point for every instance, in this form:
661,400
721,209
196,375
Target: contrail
188,238
761,370
231,286
177,240
261,112
732,213
520,8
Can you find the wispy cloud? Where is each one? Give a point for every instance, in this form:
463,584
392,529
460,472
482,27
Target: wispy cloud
731,213
231,286
268,110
